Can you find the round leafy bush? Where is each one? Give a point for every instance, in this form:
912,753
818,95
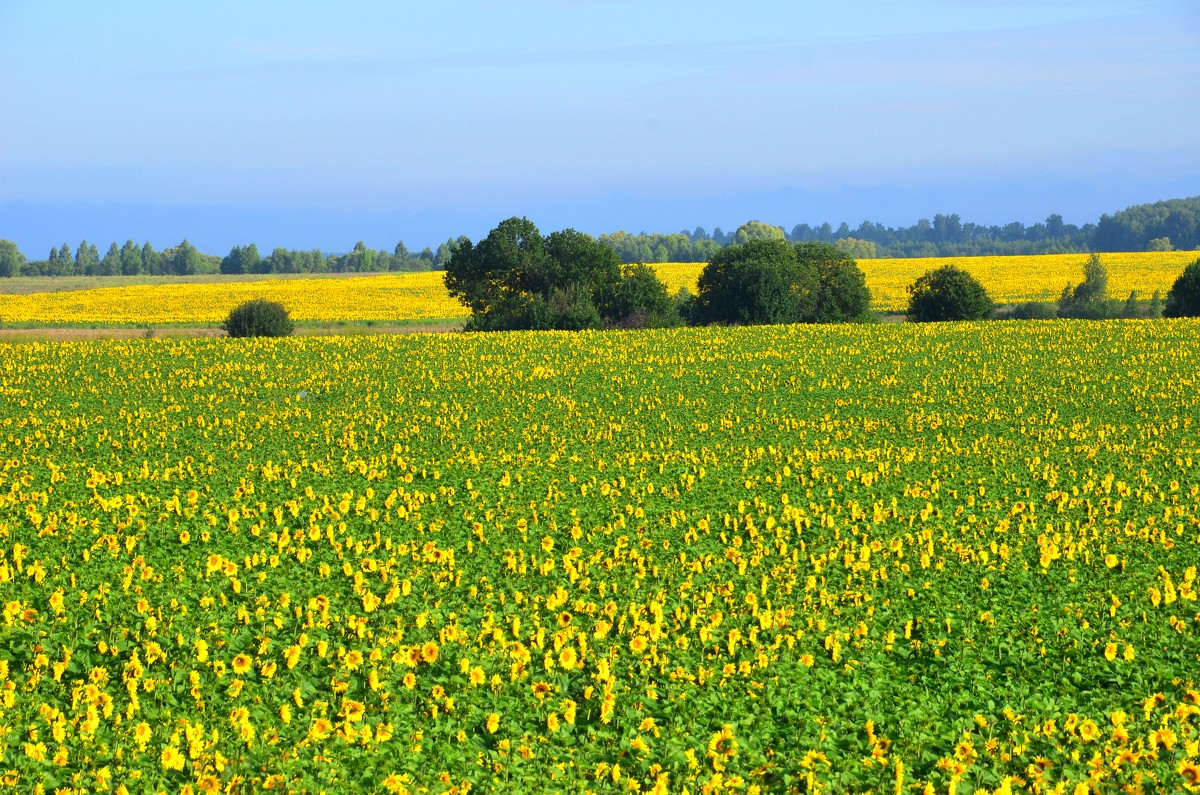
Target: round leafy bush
1184,298
948,293
259,318
773,281
762,281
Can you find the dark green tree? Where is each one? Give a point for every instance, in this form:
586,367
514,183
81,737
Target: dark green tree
186,260
1183,299
842,294
60,262
360,260
259,318
11,259
131,259
517,279
641,301
241,260
948,293
87,259
762,281
152,261
111,264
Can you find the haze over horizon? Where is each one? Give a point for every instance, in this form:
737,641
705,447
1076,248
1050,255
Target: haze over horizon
302,126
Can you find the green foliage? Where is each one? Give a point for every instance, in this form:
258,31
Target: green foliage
772,281
131,259
87,259
1089,300
1155,308
757,230
759,282
842,294
259,318
1176,221
1160,244
111,264
186,260
1030,310
517,279
11,259
654,247
242,260
857,249
1183,299
948,293
641,301
1131,309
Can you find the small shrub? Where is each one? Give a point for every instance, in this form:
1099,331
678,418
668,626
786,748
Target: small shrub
259,318
948,293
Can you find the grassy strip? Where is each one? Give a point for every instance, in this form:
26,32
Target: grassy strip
47,332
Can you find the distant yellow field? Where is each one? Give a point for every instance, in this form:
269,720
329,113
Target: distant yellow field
401,296
421,296
1007,279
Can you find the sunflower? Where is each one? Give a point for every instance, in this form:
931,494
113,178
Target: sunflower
1189,771
171,758
429,652
721,747
1089,731
319,729
242,664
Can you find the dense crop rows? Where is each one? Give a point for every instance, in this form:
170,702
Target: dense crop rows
421,296
406,296
807,558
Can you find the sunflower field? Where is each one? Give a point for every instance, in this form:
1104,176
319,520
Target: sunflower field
953,558
423,296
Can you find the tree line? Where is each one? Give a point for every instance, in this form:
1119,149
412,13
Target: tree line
185,259
1160,226
517,279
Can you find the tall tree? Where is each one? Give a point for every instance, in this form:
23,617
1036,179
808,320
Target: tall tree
152,261
11,259
131,259
111,264
187,260
241,260
87,259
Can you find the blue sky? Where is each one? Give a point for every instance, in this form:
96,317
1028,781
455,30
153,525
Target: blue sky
313,124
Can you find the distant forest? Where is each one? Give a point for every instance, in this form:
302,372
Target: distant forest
1161,226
